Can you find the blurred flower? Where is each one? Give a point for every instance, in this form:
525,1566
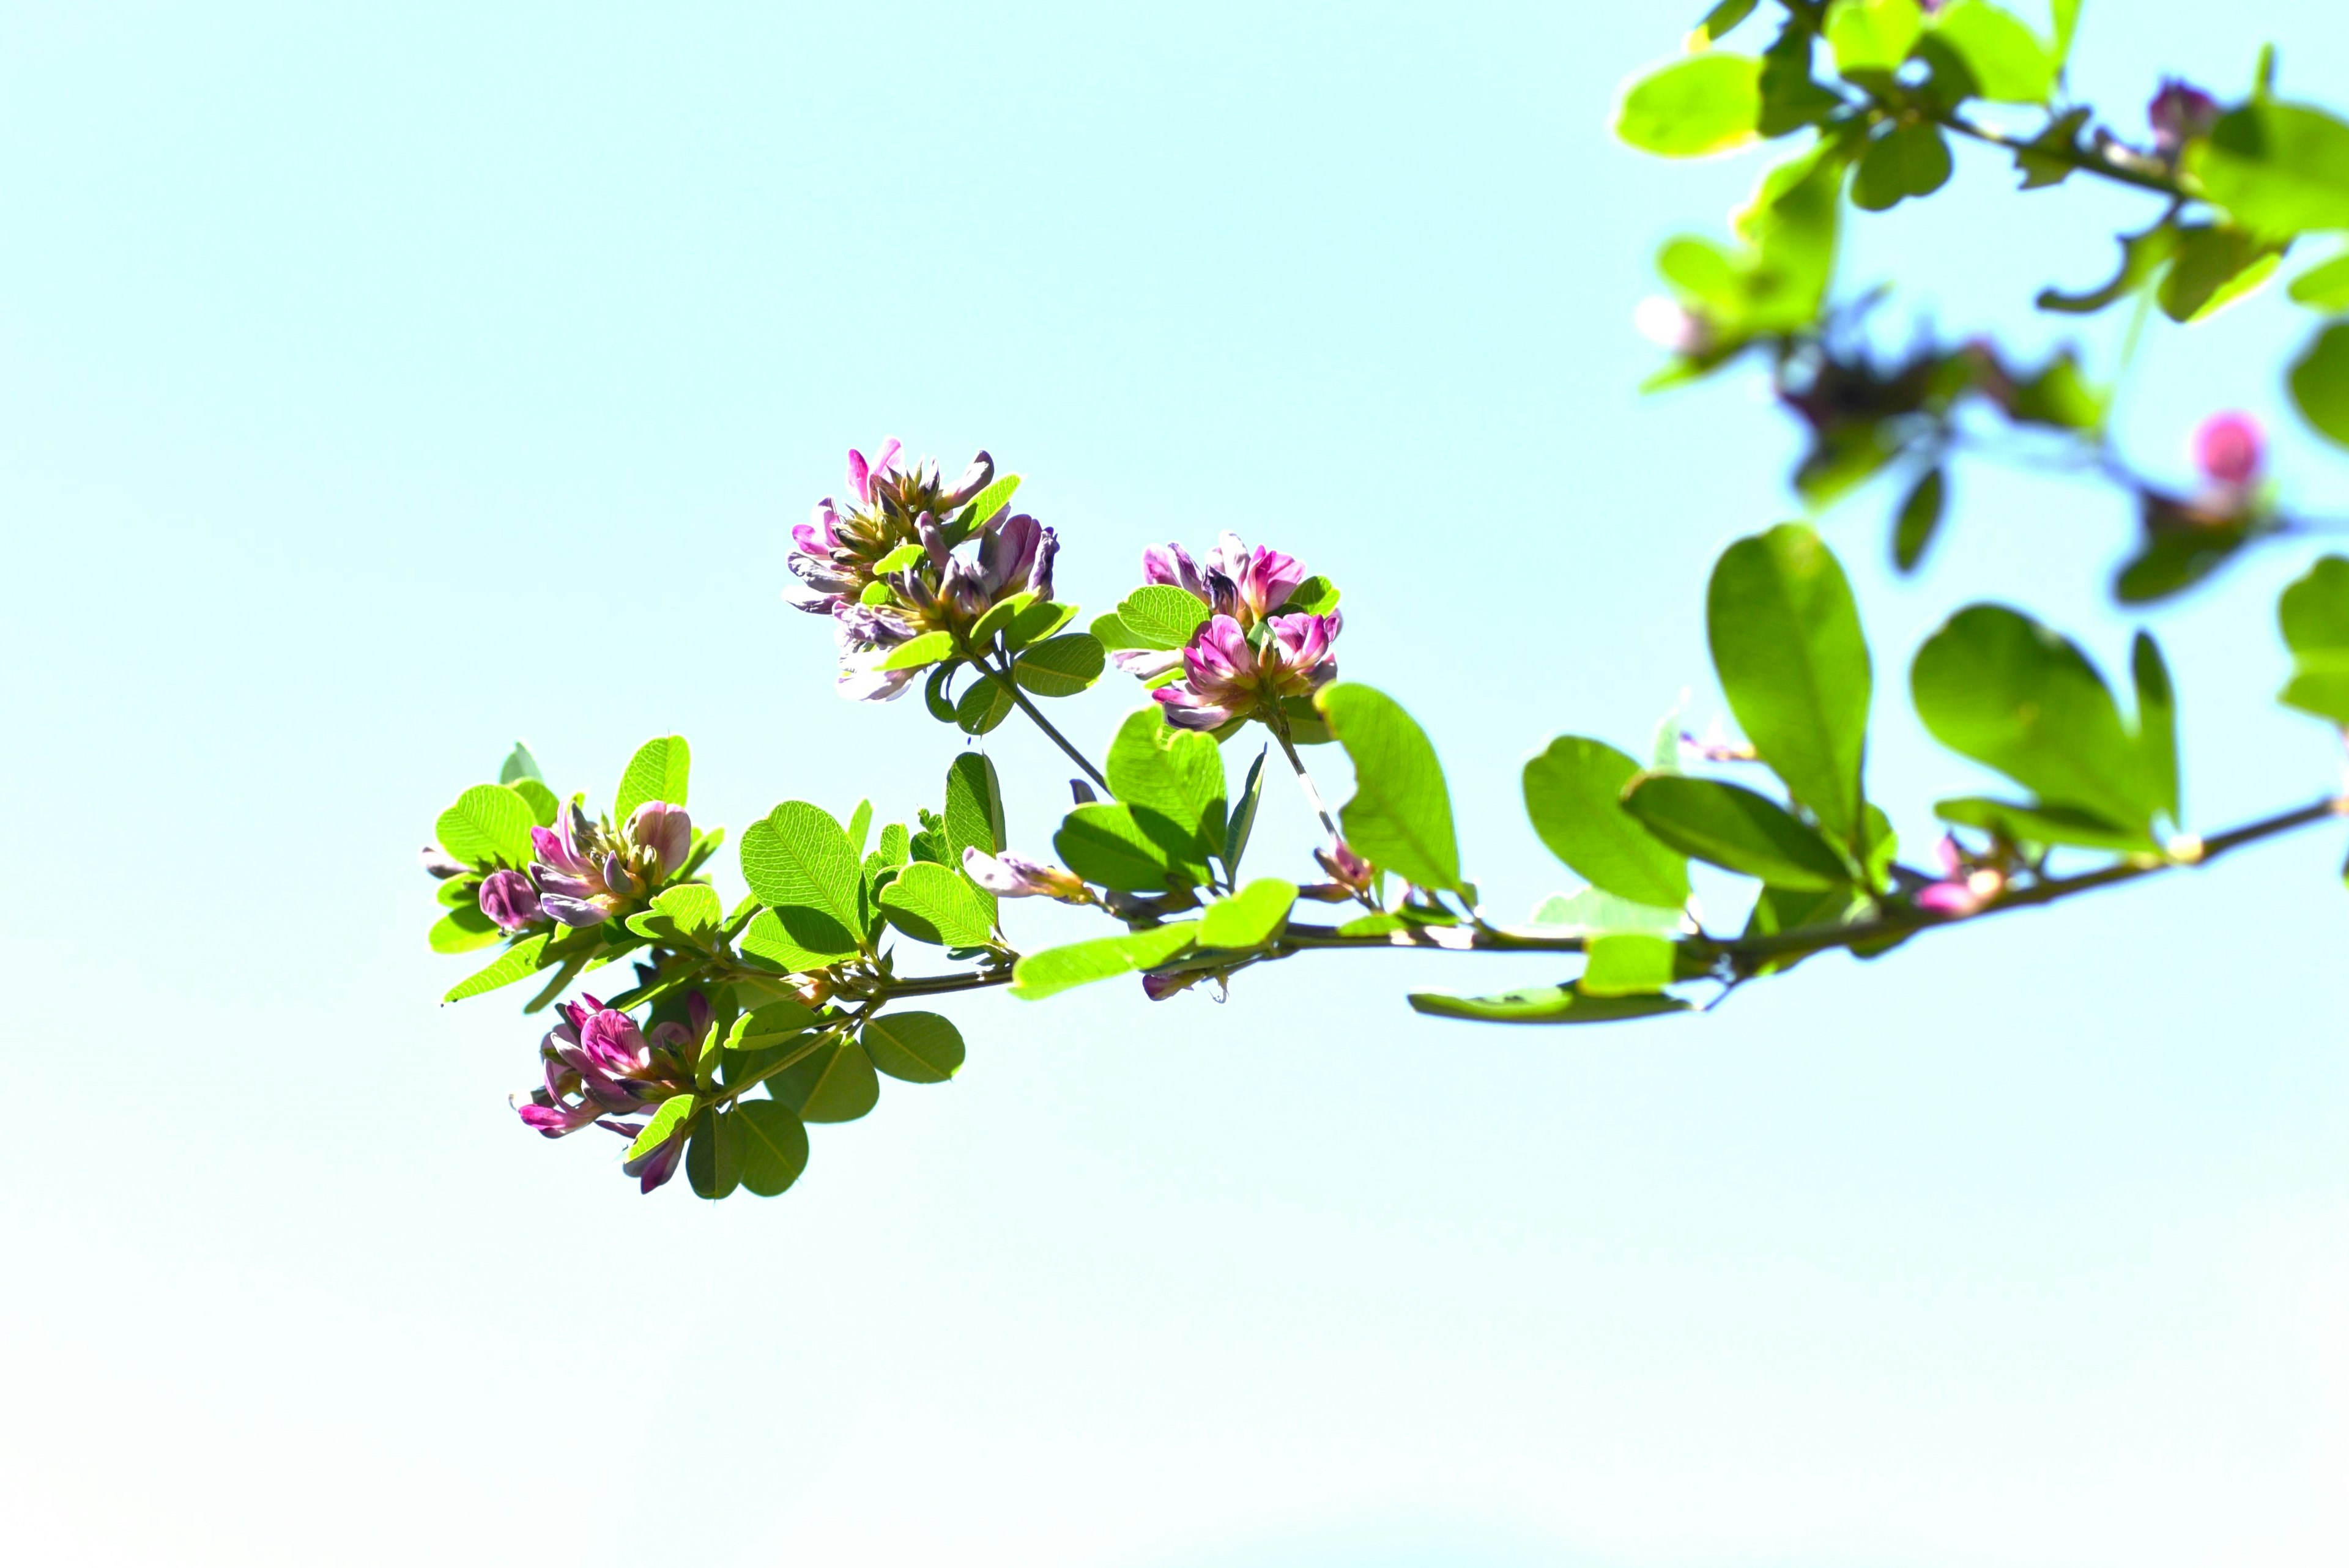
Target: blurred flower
1229,674
1671,325
2179,113
2229,449
509,899
1350,875
1015,876
1967,885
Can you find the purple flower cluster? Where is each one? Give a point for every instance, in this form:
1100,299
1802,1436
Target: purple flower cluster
843,546
1246,657
600,1065
586,873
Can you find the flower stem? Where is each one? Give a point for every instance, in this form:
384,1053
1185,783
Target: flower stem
1278,724
1003,678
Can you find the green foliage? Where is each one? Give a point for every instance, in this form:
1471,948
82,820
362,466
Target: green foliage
1627,965
2005,60
1593,911
2213,267
488,826
1546,1005
1871,38
1036,622
1170,781
1157,616
2320,384
1104,843
799,864
1996,686
667,1117
920,653
687,913
711,1166
520,764
2324,286
1793,665
987,704
1401,815
2042,825
2277,169
1314,596
543,806
1920,517
1730,826
1242,817
462,930
524,958
1058,969
836,1083
935,905
2313,613
1250,917
918,1047
2157,725
1060,666
1907,160
656,773
1574,796
1704,104
769,1145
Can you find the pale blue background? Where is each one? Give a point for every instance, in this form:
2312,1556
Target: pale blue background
378,383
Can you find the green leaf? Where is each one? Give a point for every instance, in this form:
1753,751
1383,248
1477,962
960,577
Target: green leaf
986,705
799,863
919,1047
1719,21
462,930
1594,911
1250,917
1790,99
771,1145
2067,24
2324,286
1873,36
937,692
1172,781
1401,815
860,823
656,773
544,807
1545,1005
690,910
1315,596
998,618
919,652
1996,686
2314,615
667,1120
523,959
2053,155
988,502
2213,268
1113,633
899,559
1058,969
771,1023
2175,552
1628,966
974,807
520,764
2142,255
1103,844
1732,827
2278,169
1907,160
2008,61
710,1163
1038,621
1704,104
1242,817
1160,615
489,825
932,903
1920,519
2020,825
1574,795
1781,910
835,1084
767,937
2058,396
1787,644
2156,724
1060,666
2320,385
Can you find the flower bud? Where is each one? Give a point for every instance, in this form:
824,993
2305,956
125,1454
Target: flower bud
664,832
2229,449
509,899
1015,876
2179,113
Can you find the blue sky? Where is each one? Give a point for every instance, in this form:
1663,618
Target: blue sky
379,387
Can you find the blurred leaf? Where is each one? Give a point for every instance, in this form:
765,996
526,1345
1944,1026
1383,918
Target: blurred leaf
936,905
462,930
519,765
2175,553
918,1047
1996,686
1545,1005
2008,61
2277,169
771,1145
1113,633
1920,519
523,959
1103,844
656,773
1593,911
2142,255
1058,969
2058,396
1787,644
1626,965
833,1084
1779,911
1789,98
2320,385
1250,917
1160,615
1574,796
799,862
1732,827
1872,35
2020,825
2157,723
2324,286
1704,104
2067,24
2213,268
2052,157
2314,615
1401,815
1907,160
1060,666
1722,18
489,826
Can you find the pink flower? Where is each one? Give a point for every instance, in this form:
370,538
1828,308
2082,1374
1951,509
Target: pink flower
2230,449
1965,887
509,899
1016,876
1247,585
861,474
2179,113
1230,674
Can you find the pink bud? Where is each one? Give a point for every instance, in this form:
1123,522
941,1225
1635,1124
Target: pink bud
2230,449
